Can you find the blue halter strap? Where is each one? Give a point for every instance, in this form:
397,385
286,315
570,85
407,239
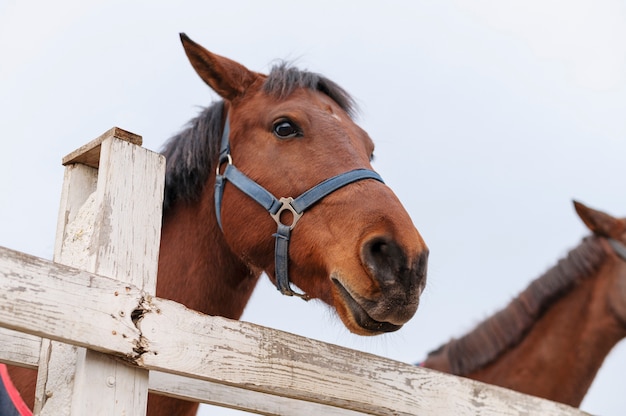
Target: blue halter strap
275,207
618,247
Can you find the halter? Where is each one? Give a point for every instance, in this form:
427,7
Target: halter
275,206
618,247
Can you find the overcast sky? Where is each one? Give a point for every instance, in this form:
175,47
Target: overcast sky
489,118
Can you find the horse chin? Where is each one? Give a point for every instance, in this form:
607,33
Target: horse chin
356,317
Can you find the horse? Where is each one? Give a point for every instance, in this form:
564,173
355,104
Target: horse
337,234
551,340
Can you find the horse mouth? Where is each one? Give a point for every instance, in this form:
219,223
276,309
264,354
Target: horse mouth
360,315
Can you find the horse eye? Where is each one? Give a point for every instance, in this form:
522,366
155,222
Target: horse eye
285,130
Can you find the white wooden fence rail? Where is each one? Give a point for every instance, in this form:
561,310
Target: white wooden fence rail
90,323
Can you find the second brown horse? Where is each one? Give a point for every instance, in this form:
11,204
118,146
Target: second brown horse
552,339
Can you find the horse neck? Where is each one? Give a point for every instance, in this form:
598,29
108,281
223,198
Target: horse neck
196,267
562,352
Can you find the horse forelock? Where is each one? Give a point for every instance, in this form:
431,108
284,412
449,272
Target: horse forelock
190,153
283,79
508,327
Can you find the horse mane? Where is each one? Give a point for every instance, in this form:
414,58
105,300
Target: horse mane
190,154
506,328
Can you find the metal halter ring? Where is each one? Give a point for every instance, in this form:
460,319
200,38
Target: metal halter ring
225,159
286,205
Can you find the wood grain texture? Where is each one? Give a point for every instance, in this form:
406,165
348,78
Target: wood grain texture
274,362
18,348
237,398
56,301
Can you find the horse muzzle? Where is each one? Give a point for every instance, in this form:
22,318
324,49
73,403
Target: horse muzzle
398,288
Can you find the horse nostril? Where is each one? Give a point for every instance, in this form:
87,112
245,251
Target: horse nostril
388,263
384,258
379,248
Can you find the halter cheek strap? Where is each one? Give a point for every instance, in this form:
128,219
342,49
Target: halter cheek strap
275,206
618,247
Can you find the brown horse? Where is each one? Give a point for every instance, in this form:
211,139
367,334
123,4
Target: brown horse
342,236
551,340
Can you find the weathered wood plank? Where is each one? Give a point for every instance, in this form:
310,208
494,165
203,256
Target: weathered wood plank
89,154
249,357
52,300
270,361
79,182
19,348
237,398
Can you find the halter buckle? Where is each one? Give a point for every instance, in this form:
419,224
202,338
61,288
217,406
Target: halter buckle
286,205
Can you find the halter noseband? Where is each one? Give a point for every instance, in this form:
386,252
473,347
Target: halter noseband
275,206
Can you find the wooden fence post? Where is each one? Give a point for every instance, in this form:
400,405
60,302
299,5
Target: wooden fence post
110,224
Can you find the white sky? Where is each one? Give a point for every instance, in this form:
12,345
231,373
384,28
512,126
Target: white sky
489,118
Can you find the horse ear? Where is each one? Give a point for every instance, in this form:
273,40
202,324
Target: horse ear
599,222
226,77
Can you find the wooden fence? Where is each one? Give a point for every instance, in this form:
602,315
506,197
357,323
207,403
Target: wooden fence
90,323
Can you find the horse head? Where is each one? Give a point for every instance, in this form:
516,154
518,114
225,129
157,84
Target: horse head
297,196
614,231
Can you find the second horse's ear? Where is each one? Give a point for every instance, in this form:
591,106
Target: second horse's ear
226,77
600,222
